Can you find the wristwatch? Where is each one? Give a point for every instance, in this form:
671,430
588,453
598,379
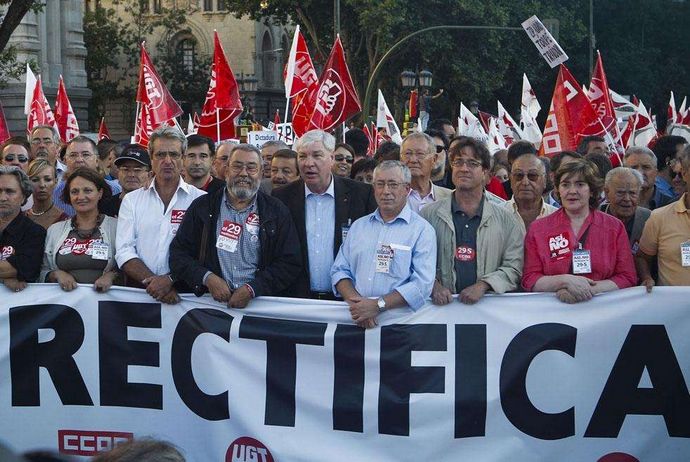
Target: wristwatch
381,303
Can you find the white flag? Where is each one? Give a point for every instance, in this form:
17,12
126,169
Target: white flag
645,130
469,125
496,141
29,89
530,129
507,126
529,99
384,119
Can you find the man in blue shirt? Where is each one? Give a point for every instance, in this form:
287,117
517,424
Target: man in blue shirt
388,259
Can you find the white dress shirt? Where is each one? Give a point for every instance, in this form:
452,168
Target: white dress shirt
145,227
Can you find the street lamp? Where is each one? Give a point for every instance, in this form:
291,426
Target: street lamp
408,79
413,82
425,77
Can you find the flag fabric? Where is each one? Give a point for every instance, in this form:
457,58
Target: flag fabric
103,132
40,112
4,129
626,134
191,129
600,99
65,119
223,103
152,93
303,85
29,89
571,116
484,118
276,120
413,104
621,106
384,119
469,125
496,141
507,127
671,113
142,126
374,137
529,98
530,128
336,98
645,131
370,146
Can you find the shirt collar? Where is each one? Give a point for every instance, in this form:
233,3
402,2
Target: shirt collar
180,185
330,191
456,209
405,215
680,204
431,193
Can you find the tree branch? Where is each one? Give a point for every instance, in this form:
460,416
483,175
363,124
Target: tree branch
14,15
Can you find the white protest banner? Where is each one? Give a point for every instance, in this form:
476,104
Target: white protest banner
286,134
514,377
260,137
544,41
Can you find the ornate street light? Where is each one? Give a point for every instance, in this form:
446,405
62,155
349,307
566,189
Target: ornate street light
425,77
408,79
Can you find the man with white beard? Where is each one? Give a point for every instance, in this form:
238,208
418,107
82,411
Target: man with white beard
237,243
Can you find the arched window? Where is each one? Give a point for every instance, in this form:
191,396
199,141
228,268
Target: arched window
186,53
267,60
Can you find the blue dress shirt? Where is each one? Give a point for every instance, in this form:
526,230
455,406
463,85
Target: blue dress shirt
320,223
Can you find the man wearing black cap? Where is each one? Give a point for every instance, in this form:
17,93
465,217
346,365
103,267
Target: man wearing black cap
134,171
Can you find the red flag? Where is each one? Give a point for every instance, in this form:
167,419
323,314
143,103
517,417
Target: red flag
152,93
40,112
628,131
571,116
600,98
370,147
103,132
413,104
223,103
143,126
276,120
4,129
485,119
374,137
65,119
336,98
299,73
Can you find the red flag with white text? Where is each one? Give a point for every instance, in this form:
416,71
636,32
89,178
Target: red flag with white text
40,112
152,92
223,103
336,98
571,116
103,132
65,119
600,98
301,83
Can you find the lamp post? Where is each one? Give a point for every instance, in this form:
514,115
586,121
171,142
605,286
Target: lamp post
414,81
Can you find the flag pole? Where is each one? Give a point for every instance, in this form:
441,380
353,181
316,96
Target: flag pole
217,125
135,121
287,108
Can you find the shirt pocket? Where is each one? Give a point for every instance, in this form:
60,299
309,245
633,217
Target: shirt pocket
402,259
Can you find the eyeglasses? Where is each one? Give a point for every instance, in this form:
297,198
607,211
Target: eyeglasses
252,169
83,155
340,158
136,170
417,154
20,159
392,185
677,175
531,176
471,163
440,148
162,155
37,141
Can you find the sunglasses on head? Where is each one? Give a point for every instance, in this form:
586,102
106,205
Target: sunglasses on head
340,158
20,159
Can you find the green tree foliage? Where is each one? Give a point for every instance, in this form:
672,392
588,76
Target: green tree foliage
12,14
112,40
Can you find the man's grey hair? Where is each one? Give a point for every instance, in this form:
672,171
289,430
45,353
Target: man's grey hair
171,133
22,178
391,164
274,143
622,171
56,134
142,450
431,146
245,147
316,136
640,150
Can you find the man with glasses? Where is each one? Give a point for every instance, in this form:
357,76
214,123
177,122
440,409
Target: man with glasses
440,174
237,243
479,243
622,190
667,149
418,153
149,218
15,151
528,181
389,258
644,161
198,159
45,143
323,207
133,172
81,151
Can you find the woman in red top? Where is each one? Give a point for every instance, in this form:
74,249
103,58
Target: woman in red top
577,251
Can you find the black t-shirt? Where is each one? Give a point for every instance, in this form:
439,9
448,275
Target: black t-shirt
21,245
111,206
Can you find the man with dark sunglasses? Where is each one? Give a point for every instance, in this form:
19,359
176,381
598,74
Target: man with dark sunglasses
528,181
15,151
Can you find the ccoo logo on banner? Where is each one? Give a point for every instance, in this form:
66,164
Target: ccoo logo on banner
519,376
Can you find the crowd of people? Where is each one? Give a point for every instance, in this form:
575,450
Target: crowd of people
435,216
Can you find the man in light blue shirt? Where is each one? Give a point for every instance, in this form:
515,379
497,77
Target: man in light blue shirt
388,255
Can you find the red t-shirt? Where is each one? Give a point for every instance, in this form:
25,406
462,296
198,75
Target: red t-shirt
549,246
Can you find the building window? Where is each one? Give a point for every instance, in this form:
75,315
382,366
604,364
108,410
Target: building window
144,6
186,54
208,5
157,7
267,60
222,5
